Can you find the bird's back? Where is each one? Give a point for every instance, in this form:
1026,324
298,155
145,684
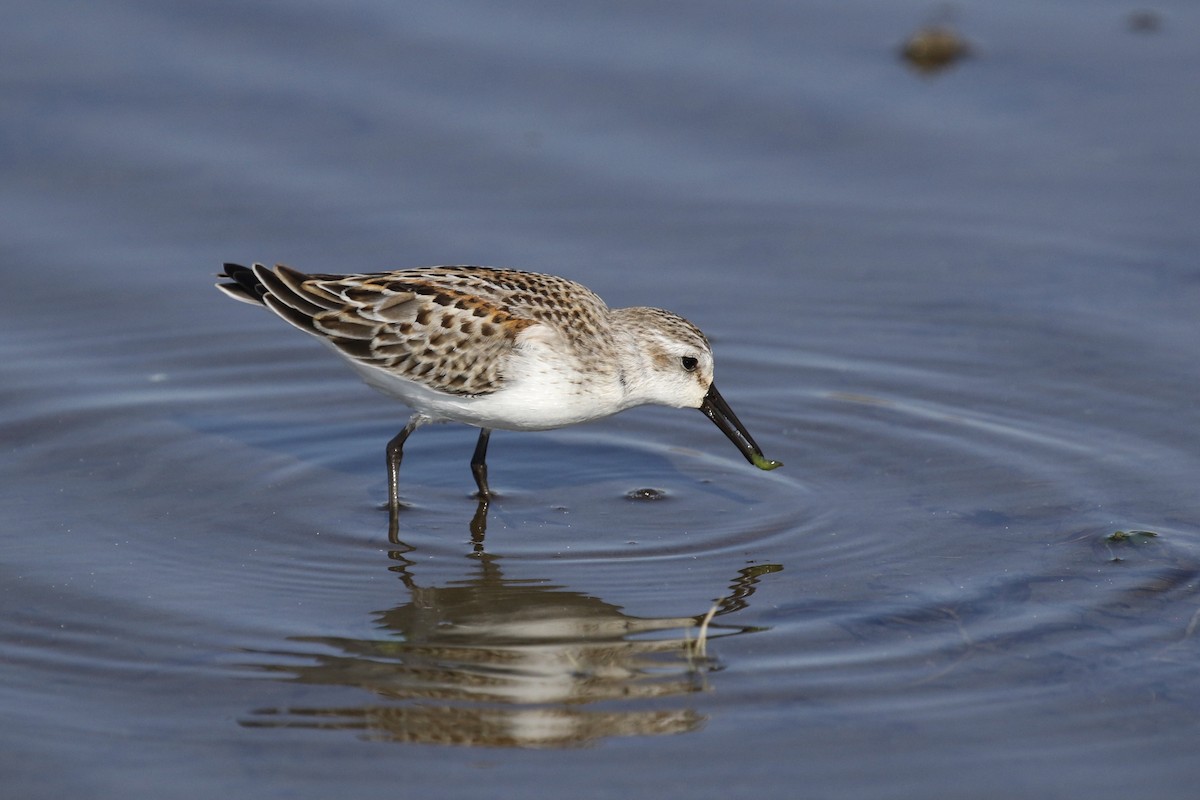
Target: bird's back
450,329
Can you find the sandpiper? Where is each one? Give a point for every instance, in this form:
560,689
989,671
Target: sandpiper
496,348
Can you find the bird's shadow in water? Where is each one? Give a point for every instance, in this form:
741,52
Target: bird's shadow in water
496,661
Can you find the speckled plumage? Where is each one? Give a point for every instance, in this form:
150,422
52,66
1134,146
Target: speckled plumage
496,348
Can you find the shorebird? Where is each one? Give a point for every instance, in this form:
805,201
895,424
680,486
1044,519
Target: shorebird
496,348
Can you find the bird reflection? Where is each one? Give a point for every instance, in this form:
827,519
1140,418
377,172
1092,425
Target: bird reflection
502,662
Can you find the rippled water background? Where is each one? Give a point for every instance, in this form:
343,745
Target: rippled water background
961,307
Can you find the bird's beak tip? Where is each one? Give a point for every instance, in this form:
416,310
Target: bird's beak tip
764,463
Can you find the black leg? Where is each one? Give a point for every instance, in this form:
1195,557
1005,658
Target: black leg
395,451
479,464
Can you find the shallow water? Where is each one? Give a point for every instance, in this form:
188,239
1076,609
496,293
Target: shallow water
959,307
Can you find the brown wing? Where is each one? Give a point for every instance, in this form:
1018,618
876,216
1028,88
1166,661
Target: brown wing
414,323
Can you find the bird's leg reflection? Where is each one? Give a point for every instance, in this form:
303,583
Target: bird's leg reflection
403,562
477,526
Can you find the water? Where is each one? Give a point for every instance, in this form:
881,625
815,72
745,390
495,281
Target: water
959,307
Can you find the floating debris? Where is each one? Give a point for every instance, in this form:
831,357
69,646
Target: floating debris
934,48
646,494
1131,537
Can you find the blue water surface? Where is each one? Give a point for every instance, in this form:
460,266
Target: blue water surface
960,306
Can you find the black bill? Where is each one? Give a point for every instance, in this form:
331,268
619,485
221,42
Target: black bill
716,409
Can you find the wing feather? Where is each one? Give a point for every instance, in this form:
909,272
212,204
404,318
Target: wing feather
451,329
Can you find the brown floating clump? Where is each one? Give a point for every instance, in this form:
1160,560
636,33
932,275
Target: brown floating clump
934,48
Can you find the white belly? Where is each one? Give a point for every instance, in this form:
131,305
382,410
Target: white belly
537,396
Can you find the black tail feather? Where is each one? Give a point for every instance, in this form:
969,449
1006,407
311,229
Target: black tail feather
245,286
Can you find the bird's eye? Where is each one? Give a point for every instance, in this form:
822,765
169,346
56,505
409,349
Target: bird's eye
689,363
